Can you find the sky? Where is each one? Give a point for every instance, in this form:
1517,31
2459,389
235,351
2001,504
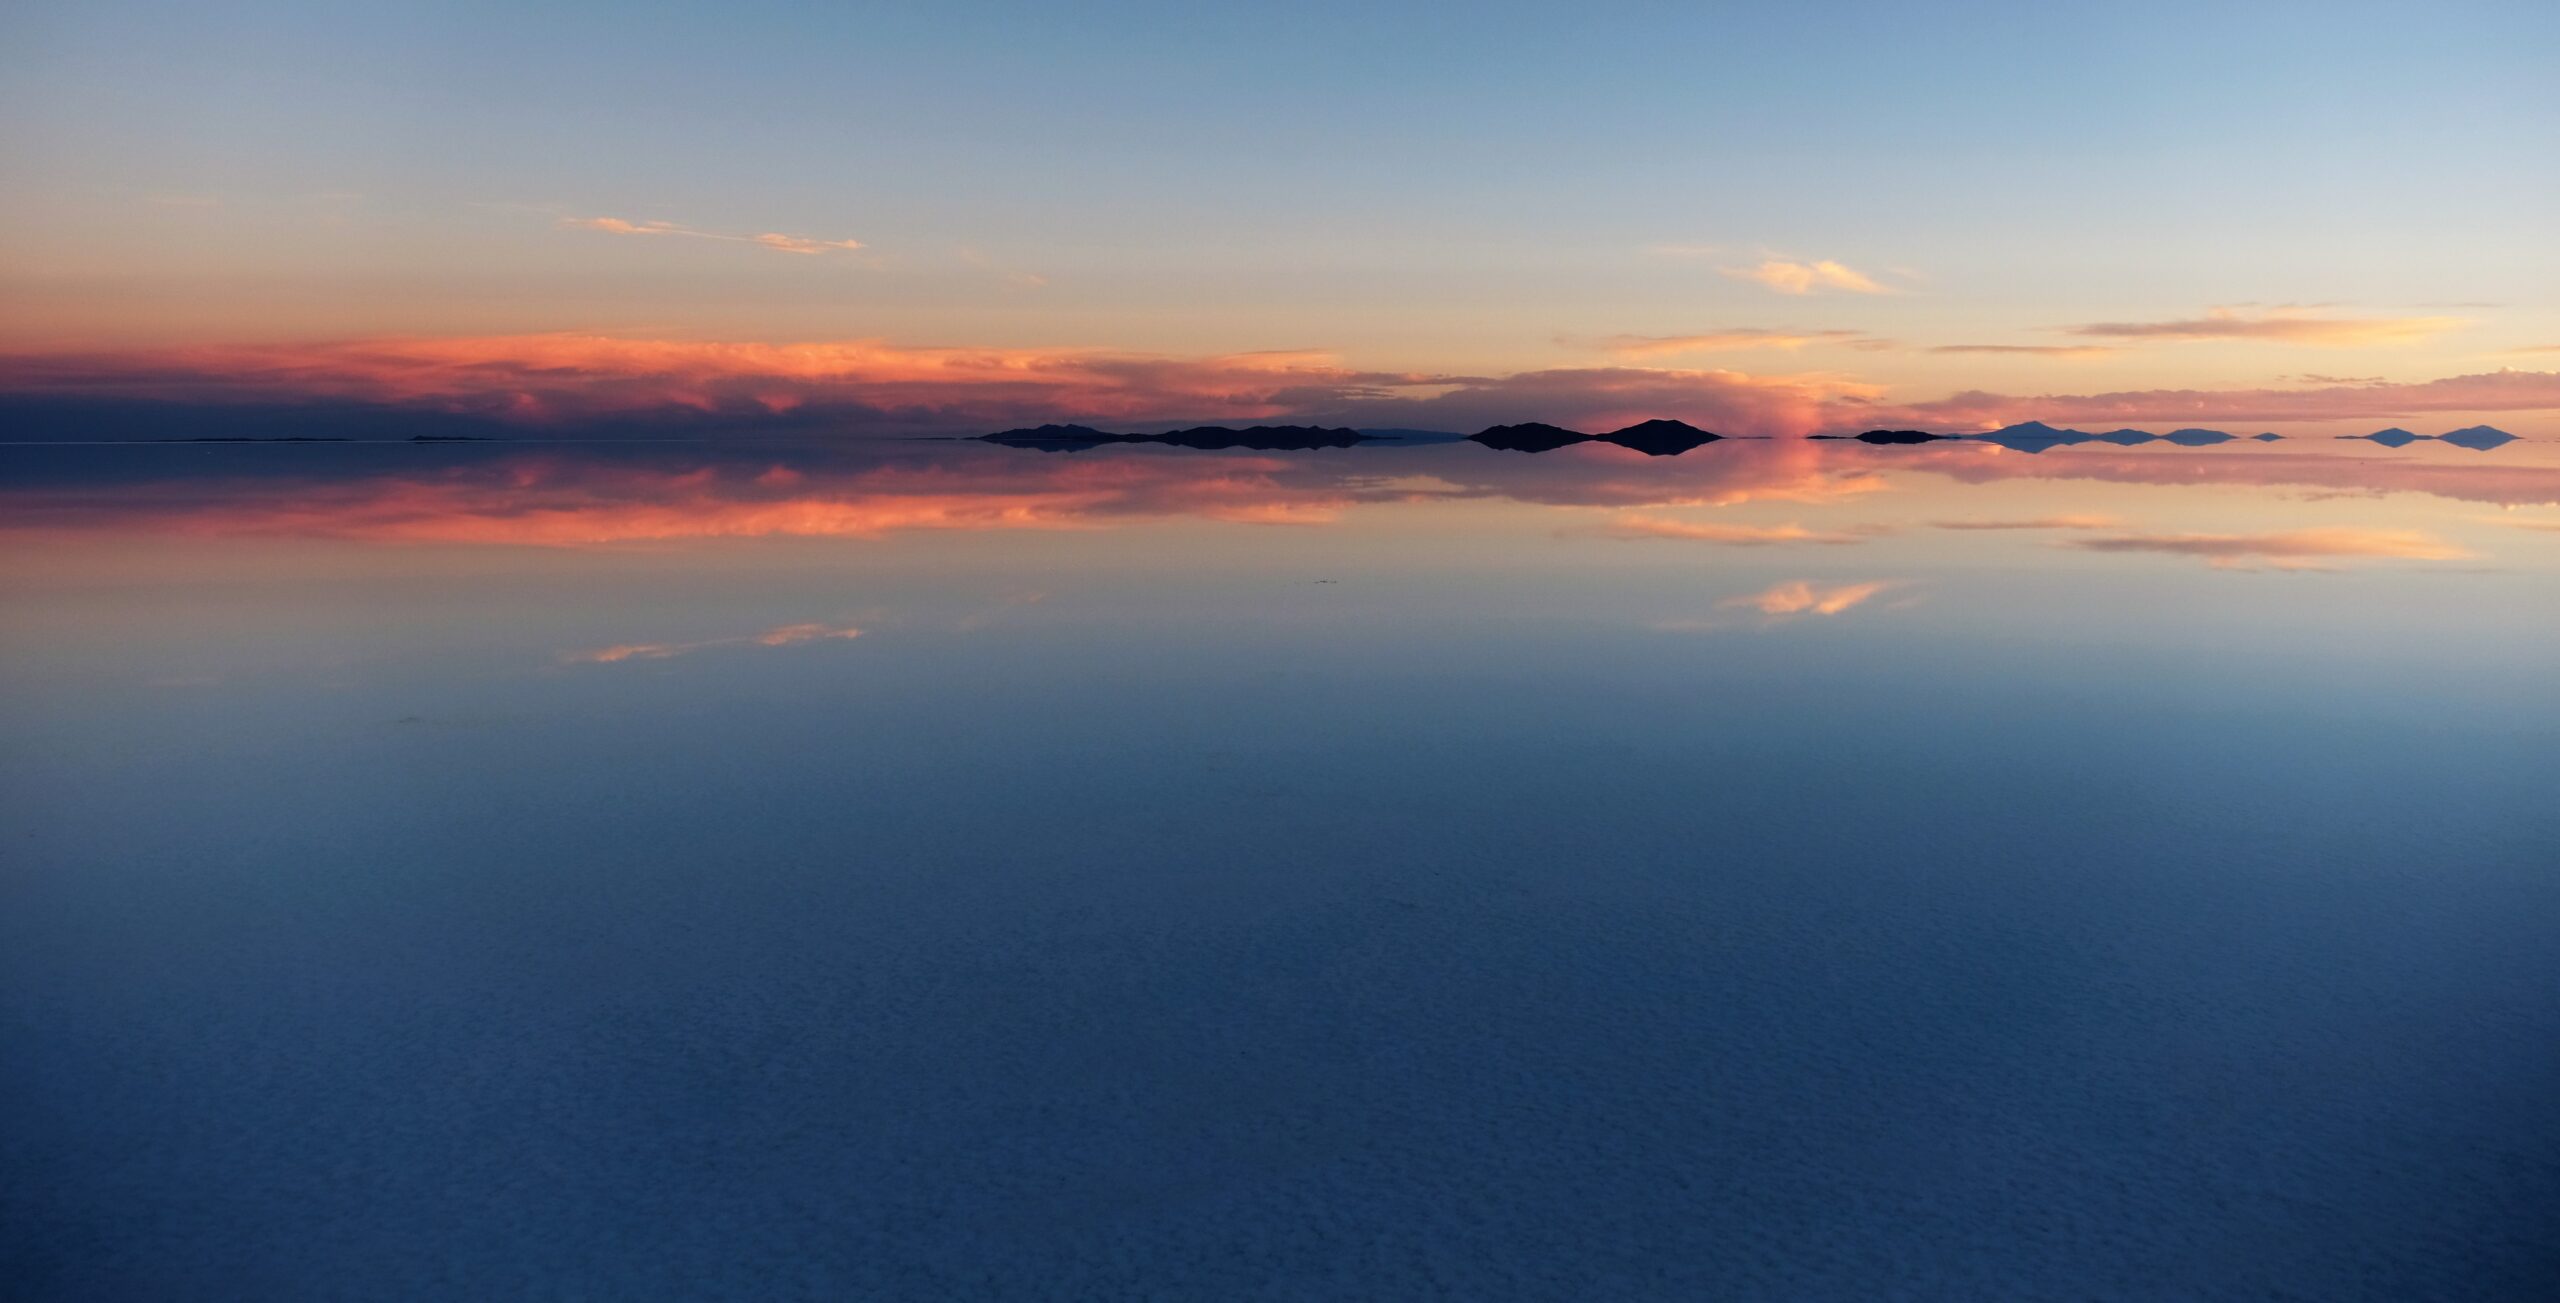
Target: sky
1765,218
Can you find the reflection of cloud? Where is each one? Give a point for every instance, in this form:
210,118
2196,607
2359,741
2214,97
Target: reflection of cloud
2040,522
1787,276
1727,341
770,240
2326,474
1649,527
2285,550
2283,325
787,635
1803,597
568,499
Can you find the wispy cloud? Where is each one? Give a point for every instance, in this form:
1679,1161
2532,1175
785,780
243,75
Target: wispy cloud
2039,522
2492,391
2299,549
1804,597
786,635
1788,276
1730,341
2283,325
2029,350
775,241
1653,527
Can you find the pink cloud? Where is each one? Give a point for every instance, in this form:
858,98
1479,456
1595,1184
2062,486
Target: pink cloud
1650,527
789,635
2287,549
1803,597
2282,325
770,240
1788,276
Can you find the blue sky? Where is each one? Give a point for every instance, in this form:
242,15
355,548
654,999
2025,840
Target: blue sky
1399,186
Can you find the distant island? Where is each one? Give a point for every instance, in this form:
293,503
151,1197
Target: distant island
2036,436
1655,438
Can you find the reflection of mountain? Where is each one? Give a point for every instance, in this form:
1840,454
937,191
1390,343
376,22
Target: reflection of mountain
1660,438
1259,438
1890,436
600,493
1531,436
2034,436
2478,438
1413,436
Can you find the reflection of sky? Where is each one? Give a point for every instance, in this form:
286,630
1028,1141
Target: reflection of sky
498,867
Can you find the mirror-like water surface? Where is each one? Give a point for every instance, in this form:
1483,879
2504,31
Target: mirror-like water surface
926,869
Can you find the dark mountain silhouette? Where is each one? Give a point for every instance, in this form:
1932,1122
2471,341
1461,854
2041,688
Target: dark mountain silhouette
1660,438
2268,437
1260,438
2192,437
2034,436
2127,438
1055,438
2476,437
1531,436
2395,437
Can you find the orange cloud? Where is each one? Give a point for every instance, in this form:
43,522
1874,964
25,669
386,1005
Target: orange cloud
1726,341
2040,522
1802,597
849,383
1601,398
770,240
2286,550
874,386
1787,276
2029,350
2283,325
1648,527
788,635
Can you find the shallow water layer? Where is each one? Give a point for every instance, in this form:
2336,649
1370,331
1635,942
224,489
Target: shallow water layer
1782,870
